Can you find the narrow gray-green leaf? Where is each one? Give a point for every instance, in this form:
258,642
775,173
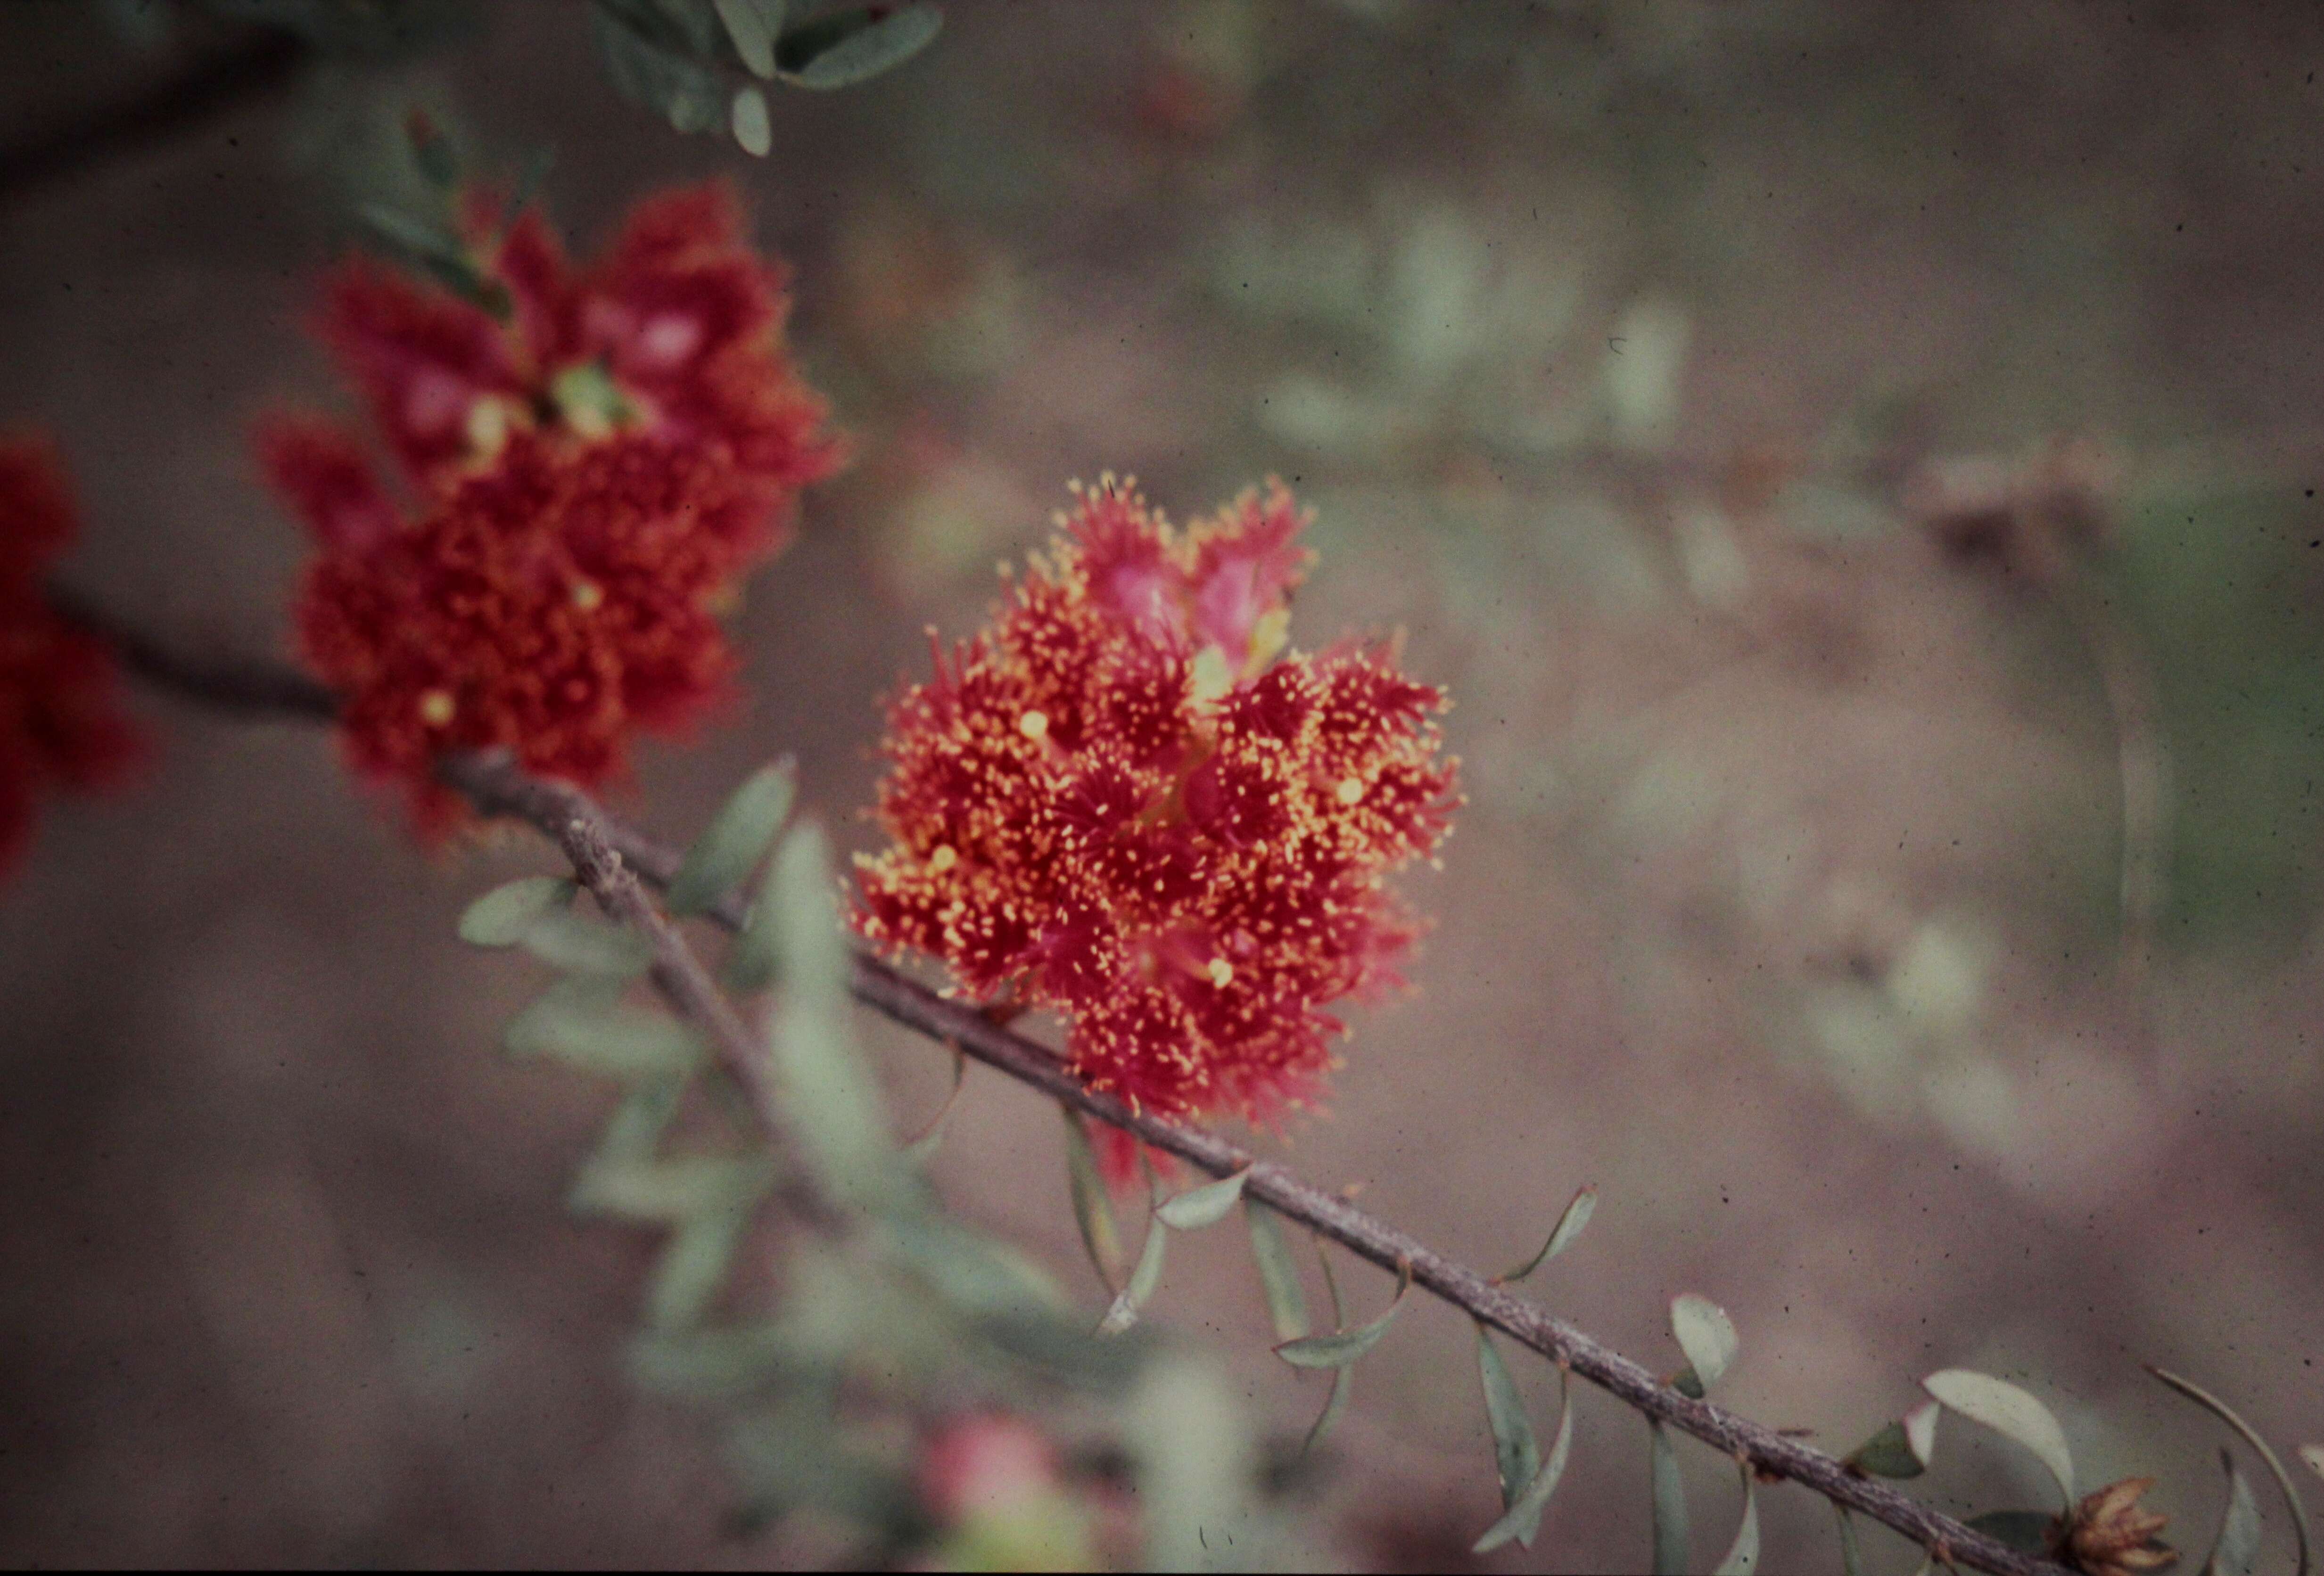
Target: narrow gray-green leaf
1278,1277
502,916
1742,1556
1332,1286
1202,1207
1092,1203
747,118
686,92
1344,1347
638,1123
1143,1279
2010,1412
1343,1384
1522,1520
2229,1415
694,1263
1516,1454
1705,1333
1852,1557
1902,1449
713,1365
835,1107
1669,1494
1576,1215
754,960
753,26
740,835
839,49
575,944
922,1148
684,1187
2236,1551
576,1022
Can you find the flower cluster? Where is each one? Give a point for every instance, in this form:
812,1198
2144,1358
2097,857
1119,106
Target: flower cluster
596,469
1119,802
60,723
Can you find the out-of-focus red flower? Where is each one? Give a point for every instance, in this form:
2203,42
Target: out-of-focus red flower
60,721
595,476
678,332
1119,802
992,1485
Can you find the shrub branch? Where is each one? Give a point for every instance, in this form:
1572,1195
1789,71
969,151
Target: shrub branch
610,857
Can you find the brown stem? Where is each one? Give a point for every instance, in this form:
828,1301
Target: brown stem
604,853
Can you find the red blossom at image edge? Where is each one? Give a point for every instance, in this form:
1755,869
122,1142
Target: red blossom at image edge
1117,803
595,474
61,721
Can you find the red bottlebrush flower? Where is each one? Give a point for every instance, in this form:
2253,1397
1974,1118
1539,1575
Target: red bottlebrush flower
678,334
60,723
548,606
597,472
1117,802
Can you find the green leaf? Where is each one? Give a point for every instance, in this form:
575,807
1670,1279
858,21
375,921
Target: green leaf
1902,1449
575,944
922,1149
2026,1531
828,1094
1343,1384
1143,1279
1706,1334
1576,1215
2236,1551
684,1187
638,1123
685,91
753,26
1340,1349
693,1265
1669,1503
437,248
735,840
1851,1556
754,961
1516,1454
1092,1203
748,121
1202,1207
713,1365
2010,1412
2228,1415
502,916
1522,1520
841,48
1286,1301
1742,1556
579,1022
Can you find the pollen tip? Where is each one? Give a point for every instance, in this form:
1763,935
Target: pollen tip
1349,791
1033,725
942,858
1222,972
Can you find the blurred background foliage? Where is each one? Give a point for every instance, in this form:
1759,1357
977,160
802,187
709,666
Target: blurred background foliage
1829,451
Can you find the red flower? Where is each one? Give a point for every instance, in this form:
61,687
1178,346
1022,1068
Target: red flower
596,475
60,723
1117,802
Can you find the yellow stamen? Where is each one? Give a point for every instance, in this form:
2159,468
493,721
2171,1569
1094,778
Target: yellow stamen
943,858
437,707
1222,972
1350,790
588,595
1033,725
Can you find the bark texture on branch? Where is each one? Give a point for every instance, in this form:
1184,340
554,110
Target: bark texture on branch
604,851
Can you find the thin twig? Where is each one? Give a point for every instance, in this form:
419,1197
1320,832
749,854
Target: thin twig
605,852
201,93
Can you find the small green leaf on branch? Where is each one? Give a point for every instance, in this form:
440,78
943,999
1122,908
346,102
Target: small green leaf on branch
1516,1454
1707,1335
2010,1412
580,1021
1669,1501
1143,1279
1092,1203
1522,1520
922,1149
1742,1556
1207,1205
736,839
1902,1449
1344,1347
2236,1551
753,27
852,44
747,118
2250,1435
1575,1216
502,916
1278,1277
573,943
1851,1556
